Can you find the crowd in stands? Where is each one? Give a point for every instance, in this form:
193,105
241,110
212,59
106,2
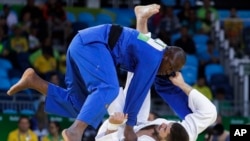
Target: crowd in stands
39,35
23,132
36,37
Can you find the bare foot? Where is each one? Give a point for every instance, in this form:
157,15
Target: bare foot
146,11
70,136
25,82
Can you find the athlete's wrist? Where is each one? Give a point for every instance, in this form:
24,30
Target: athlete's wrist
112,126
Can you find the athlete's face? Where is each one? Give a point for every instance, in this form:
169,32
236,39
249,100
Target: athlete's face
162,131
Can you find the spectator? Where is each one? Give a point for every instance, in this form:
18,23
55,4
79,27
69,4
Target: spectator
89,134
220,94
207,23
19,49
155,20
223,105
193,24
26,23
202,11
233,13
211,133
4,52
184,11
34,42
55,15
4,26
219,133
4,40
34,11
233,26
211,55
23,132
18,42
185,41
169,25
212,52
53,10
45,63
54,132
42,28
10,16
56,78
39,122
202,87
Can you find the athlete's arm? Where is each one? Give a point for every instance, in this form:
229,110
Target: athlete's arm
203,110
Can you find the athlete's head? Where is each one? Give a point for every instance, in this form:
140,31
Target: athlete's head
173,60
171,132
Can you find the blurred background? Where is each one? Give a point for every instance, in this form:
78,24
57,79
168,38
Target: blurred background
36,33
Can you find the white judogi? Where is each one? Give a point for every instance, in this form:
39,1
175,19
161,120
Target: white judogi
204,114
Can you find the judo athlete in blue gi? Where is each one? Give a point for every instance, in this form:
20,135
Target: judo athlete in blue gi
91,78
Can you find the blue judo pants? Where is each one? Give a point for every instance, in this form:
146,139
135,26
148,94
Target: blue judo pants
91,80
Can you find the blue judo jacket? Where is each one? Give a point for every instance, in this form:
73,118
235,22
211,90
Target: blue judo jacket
133,52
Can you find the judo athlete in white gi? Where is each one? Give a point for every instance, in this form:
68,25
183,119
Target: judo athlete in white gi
91,77
203,115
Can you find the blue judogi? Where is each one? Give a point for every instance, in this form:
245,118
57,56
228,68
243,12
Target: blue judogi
91,78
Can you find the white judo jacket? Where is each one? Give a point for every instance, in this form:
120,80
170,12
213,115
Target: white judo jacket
204,114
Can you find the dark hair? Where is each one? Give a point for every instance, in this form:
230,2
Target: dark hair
23,117
177,133
57,124
218,129
177,53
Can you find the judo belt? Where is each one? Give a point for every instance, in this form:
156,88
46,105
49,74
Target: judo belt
114,34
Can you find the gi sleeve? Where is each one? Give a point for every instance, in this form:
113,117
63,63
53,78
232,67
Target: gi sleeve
101,136
173,96
137,92
204,114
144,75
143,114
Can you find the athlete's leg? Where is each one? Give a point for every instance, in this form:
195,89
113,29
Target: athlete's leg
143,13
30,80
56,97
172,95
95,68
